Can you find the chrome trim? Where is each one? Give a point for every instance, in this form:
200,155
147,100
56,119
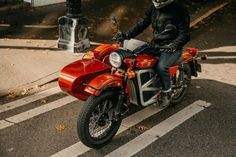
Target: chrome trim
132,91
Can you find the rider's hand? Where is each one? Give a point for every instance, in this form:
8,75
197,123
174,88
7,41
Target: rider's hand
120,37
167,49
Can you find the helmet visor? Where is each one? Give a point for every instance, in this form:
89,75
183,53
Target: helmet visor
157,3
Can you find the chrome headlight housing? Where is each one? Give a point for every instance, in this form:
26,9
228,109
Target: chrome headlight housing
115,59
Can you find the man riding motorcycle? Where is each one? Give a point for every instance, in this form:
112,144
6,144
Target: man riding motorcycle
170,23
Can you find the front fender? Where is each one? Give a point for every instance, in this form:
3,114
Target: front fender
101,82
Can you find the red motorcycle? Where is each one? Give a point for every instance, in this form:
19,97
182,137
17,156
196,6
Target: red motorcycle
111,78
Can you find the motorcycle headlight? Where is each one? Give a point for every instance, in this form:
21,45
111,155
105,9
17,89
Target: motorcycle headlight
115,59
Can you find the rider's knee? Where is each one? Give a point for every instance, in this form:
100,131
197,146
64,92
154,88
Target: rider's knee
161,68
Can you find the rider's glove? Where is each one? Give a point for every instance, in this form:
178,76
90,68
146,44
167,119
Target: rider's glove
120,37
167,49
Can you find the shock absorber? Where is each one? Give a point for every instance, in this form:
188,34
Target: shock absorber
121,99
181,74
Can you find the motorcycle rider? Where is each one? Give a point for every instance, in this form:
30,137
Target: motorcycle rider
170,23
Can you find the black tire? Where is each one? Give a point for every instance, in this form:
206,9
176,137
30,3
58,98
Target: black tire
87,110
178,97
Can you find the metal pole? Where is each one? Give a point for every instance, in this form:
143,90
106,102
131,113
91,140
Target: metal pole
73,29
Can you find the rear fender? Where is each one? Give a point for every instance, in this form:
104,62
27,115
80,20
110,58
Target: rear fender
189,54
103,82
195,67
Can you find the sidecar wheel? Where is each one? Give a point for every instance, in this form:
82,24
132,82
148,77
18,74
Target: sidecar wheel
96,125
178,94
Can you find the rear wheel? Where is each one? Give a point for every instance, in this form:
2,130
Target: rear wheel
181,82
96,123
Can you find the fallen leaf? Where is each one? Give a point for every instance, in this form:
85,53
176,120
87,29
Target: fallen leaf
36,86
206,42
45,52
142,128
11,95
10,149
60,127
43,101
24,91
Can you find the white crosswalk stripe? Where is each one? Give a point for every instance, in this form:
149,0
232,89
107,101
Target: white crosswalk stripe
153,134
29,99
146,138
131,148
79,148
5,124
37,111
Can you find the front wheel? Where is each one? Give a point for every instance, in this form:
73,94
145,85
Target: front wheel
96,124
181,84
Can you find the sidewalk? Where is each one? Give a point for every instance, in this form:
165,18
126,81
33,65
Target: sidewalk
28,62
25,63
12,6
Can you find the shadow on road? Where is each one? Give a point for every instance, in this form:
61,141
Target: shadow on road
220,95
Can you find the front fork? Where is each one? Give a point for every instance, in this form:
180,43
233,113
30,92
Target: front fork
121,99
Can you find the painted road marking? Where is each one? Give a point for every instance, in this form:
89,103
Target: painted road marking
29,99
4,124
37,111
208,13
221,57
31,26
153,134
79,148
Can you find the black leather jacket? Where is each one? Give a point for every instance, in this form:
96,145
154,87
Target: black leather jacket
172,15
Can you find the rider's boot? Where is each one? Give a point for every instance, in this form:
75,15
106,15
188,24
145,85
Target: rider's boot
165,99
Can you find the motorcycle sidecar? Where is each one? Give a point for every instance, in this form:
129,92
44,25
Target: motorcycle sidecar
75,76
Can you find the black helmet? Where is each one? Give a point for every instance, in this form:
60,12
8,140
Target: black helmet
161,3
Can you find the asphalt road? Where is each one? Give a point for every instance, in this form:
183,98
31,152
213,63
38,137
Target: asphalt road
209,133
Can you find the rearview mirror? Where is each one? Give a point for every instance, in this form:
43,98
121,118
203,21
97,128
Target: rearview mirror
114,21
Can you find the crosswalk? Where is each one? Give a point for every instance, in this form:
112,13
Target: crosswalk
32,98
75,149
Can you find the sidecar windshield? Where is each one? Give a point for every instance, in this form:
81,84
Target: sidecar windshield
133,44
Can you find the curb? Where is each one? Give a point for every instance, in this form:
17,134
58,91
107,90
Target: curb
12,7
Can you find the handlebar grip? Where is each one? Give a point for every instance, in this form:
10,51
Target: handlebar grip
114,39
204,57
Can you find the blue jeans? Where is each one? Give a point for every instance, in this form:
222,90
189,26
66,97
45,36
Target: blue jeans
166,61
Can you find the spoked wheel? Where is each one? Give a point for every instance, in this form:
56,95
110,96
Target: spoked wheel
181,81
96,123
